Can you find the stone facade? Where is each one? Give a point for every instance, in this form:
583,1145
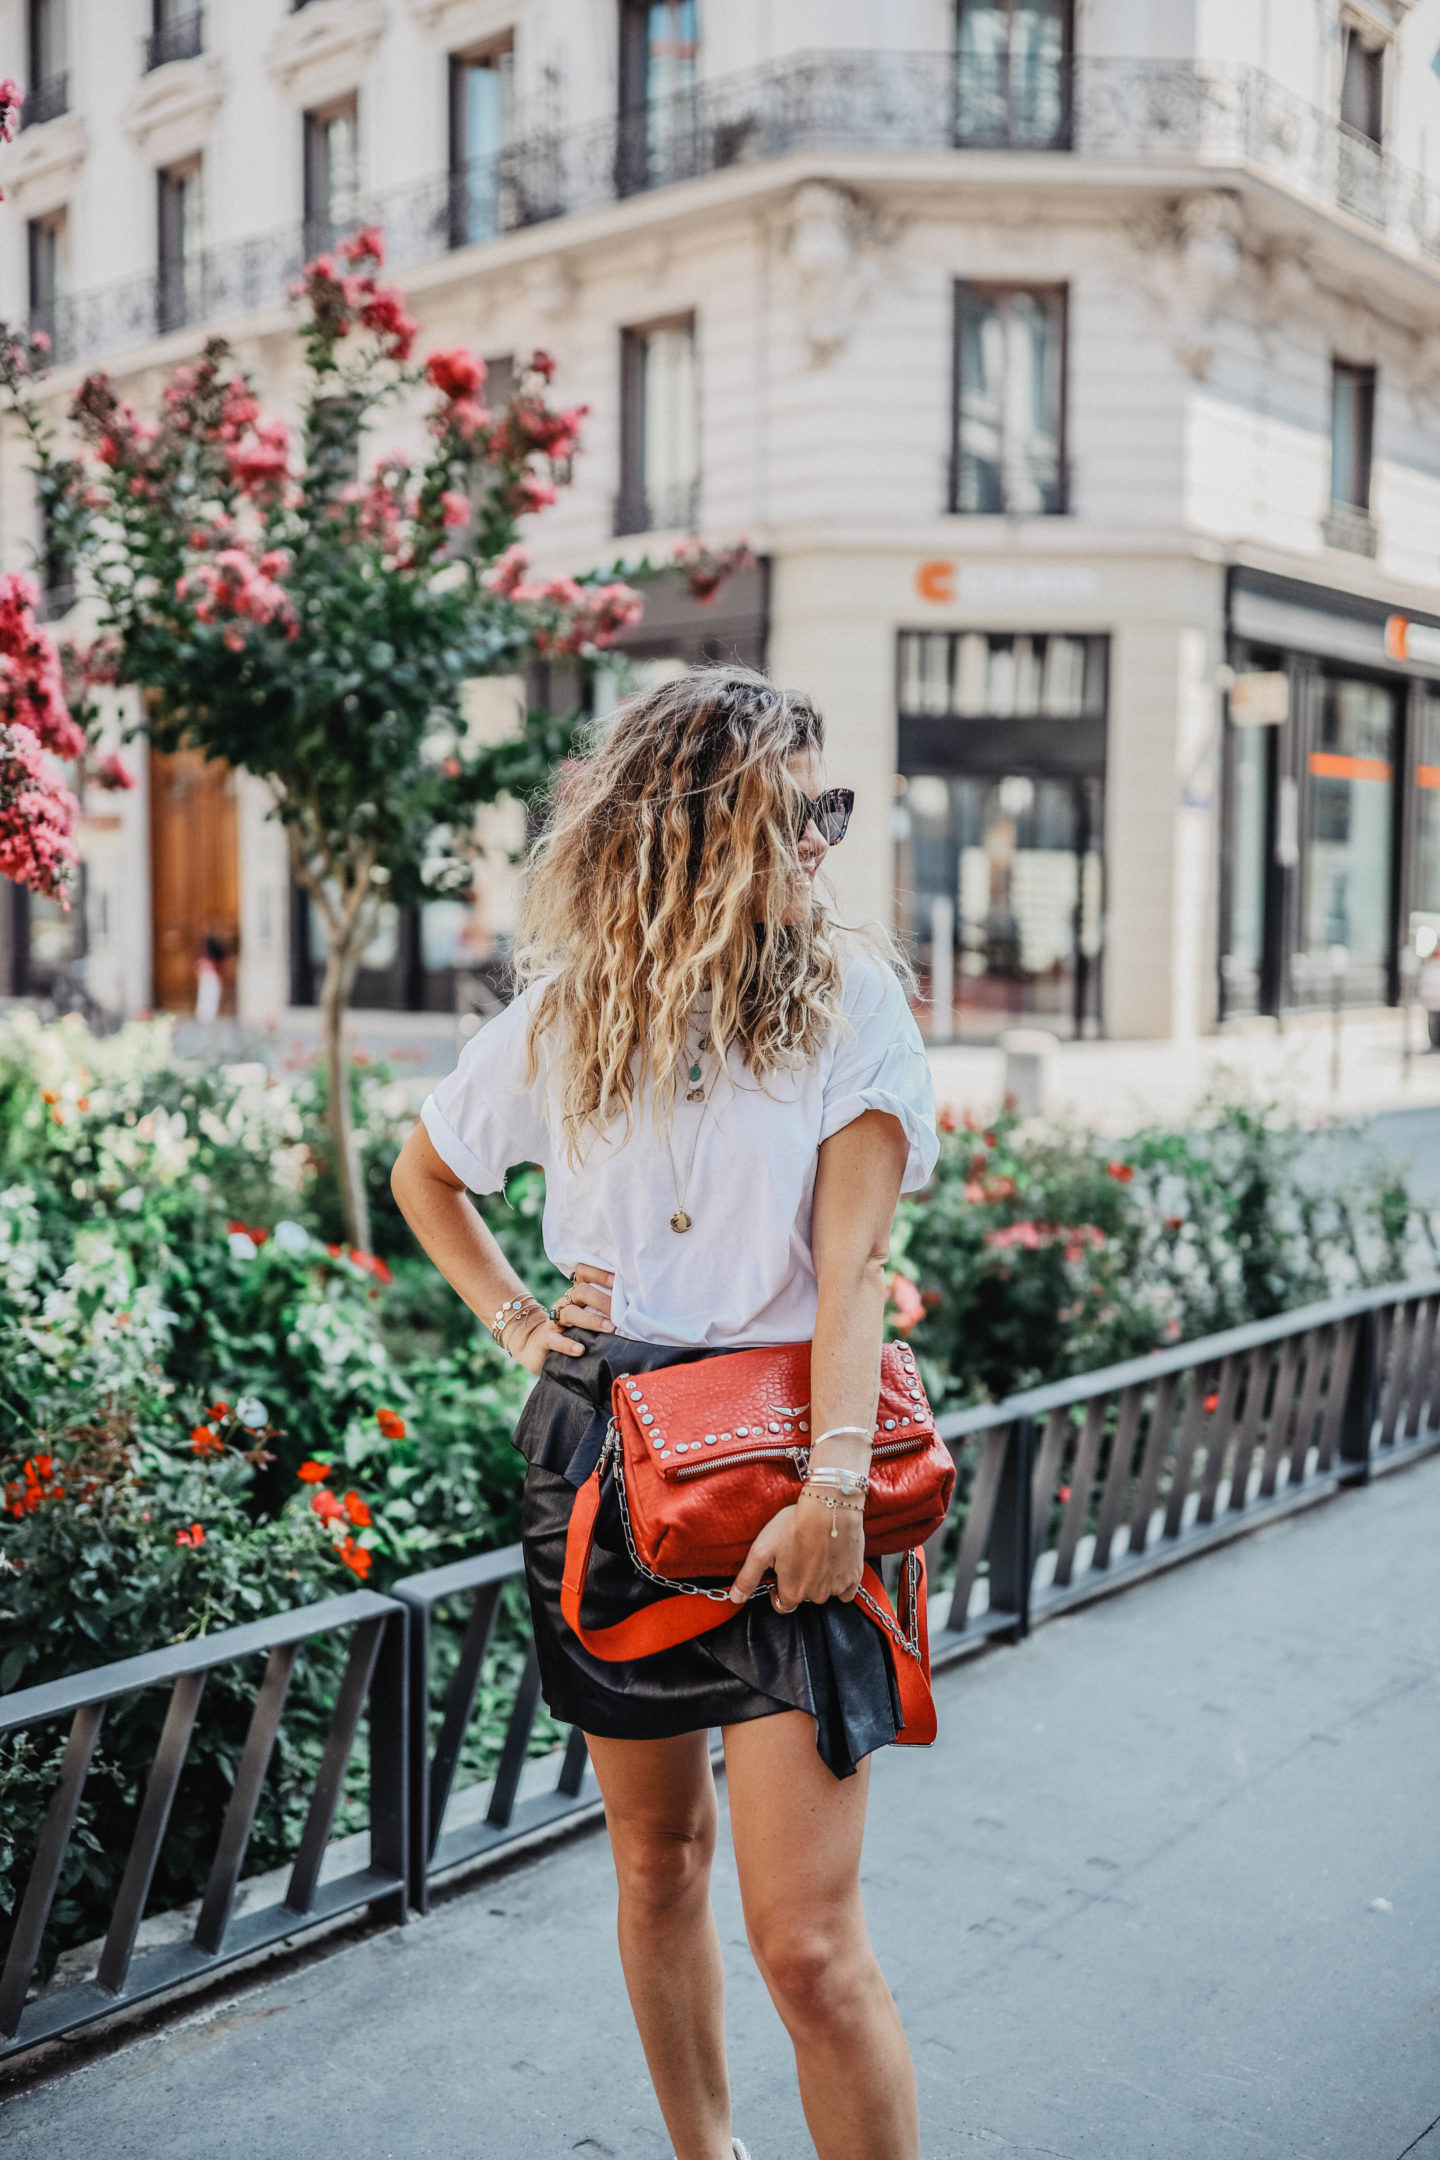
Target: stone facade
1221,239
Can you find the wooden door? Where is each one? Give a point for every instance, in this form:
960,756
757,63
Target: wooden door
194,875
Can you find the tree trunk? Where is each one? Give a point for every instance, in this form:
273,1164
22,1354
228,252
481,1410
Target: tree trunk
349,1170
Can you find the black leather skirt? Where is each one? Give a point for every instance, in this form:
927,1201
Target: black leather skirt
827,1660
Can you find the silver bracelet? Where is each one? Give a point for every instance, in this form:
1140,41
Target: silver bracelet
830,1475
866,1432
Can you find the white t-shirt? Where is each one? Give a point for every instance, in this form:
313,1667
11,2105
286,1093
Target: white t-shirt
742,1274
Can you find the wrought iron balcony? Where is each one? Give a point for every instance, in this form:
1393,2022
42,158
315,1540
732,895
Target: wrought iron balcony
670,509
1028,482
182,39
1348,527
1167,121
46,100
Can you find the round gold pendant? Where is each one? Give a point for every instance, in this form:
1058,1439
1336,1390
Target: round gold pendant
679,1220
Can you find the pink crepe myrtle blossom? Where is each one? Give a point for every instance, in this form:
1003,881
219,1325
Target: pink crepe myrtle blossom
455,507
231,585
112,773
32,687
37,816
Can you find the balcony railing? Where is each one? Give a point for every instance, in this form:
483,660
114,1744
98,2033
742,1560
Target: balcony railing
182,39
667,509
46,100
1172,120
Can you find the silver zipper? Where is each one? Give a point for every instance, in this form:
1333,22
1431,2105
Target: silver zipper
799,1456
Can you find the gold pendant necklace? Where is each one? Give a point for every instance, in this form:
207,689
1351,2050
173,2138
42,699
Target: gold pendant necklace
680,1221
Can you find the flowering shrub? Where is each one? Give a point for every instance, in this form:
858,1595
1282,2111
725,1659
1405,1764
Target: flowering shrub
37,812
1031,1257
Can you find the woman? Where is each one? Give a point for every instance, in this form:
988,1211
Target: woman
727,1095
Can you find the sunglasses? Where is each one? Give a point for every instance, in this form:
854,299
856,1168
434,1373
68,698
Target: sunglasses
829,813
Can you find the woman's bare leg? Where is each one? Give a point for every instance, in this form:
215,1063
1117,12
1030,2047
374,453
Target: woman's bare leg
797,1832
661,1814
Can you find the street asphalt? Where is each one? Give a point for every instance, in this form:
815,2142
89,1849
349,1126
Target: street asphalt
1168,1888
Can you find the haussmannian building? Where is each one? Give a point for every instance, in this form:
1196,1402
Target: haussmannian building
1071,366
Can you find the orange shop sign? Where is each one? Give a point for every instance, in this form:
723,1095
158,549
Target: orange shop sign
1406,640
936,581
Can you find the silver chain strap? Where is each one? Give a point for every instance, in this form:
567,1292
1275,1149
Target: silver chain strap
614,1450
614,1453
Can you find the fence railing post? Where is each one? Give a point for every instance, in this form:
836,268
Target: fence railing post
1012,1533
1361,1402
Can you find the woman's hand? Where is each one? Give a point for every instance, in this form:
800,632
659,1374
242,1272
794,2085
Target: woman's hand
587,1302
810,1565
532,1334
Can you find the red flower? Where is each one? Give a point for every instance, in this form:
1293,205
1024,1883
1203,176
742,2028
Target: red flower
455,507
1212,1404
456,372
1174,1222
907,1304
1063,1495
543,363
357,1512
312,1472
218,1410
947,1120
1120,1171
372,1265
256,1235
326,1506
355,1557
204,1440
391,1424
367,245
192,1537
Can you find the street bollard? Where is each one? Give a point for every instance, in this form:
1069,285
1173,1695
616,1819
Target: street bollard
1028,1055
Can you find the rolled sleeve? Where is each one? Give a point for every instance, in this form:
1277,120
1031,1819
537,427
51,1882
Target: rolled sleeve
883,1066
483,1118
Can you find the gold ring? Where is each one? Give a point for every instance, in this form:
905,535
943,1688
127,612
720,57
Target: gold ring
786,1609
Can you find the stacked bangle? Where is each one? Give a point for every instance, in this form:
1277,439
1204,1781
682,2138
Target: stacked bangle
848,1482
511,1310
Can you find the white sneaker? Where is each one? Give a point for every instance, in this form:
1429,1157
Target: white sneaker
740,2152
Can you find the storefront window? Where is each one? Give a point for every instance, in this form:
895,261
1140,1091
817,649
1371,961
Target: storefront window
1002,899
1425,855
1346,871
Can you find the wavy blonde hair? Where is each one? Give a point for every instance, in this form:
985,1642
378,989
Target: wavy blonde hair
666,870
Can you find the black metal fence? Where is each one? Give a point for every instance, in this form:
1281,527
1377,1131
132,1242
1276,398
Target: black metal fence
374,1677
1210,120
1066,1493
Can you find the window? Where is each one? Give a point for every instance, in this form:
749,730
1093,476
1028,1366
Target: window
180,297
1009,400
1012,67
1347,824
1362,86
659,66
49,269
659,428
332,173
178,32
482,128
992,675
1352,437
48,94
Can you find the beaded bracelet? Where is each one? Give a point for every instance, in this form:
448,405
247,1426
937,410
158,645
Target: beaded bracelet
836,1507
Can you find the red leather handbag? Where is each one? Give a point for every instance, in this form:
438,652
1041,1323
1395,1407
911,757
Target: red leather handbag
704,1454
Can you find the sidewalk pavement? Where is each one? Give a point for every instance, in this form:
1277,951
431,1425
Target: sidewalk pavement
1168,1888
1114,1087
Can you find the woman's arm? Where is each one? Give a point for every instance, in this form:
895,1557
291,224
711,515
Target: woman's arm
857,1184
438,1209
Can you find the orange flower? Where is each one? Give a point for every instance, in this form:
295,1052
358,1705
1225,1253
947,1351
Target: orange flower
391,1424
204,1440
326,1506
357,1511
313,1473
194,1536
355,1558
